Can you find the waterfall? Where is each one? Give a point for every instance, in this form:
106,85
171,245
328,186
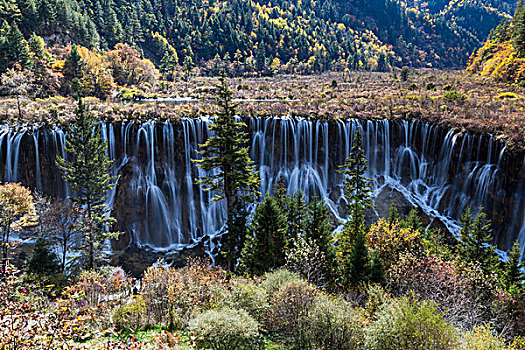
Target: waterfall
158,202
11,139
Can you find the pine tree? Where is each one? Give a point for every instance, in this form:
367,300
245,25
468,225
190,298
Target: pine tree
232,243
393,214
188,65
296,216
359,260
351,244
357,187
382,62
42,261
47,13
476,240
87,172
260,58
377,273
11,11
74,69
412,221
512,276
29,13
280,194
236,179
317,229
15,48
169,61
501,32
264,248
518,33
36,46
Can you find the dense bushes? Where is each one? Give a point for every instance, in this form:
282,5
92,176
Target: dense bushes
289,306
332,324
173,296
481,338
130,315
248,295
274,281
243,313
226,329
410,325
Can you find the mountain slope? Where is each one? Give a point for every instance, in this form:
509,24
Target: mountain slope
356,34
503,54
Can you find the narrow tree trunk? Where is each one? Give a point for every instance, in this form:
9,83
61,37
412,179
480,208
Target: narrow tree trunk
91,258
19,109
64,252
5,247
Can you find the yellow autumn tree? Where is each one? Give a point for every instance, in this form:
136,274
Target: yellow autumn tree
17,210
128,68
97,80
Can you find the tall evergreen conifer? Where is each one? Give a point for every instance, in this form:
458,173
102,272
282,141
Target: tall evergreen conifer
476,240
357,188
264,248
351,245
296,216
74,69
235,179
87,172
512,276
518,33
318,230
14,48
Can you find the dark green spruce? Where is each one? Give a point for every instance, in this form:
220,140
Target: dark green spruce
264,248
476,241
86,170
353,250
235,180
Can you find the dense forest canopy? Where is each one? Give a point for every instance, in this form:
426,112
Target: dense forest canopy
308,36
503,54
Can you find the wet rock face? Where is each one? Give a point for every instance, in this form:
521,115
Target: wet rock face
157,203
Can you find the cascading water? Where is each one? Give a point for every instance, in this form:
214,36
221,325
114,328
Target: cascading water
158,203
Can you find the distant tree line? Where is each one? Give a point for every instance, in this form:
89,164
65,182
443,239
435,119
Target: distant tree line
240,36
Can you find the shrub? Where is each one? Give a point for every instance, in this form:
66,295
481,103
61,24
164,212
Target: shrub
431,87
89,290
289,306
481,338
305,258
249,296
173,296
453,96
404,74
445,283
42,266
332,324
226,329
127,94
129,315
506,95
410,325
448,87
376,297
116,279
274,281
412,87
390,240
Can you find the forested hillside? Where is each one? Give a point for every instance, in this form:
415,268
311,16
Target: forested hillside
263,36
503,54
478,17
